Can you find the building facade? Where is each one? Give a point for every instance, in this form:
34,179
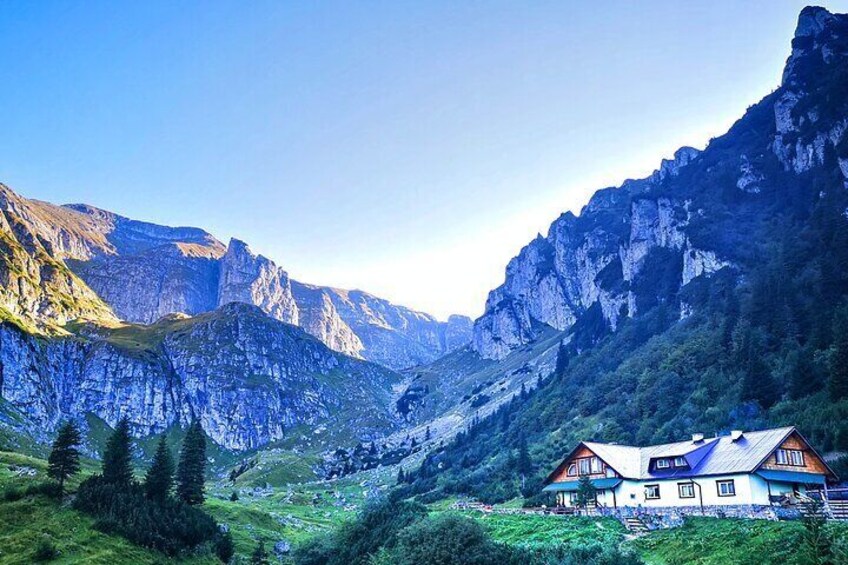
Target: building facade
765,467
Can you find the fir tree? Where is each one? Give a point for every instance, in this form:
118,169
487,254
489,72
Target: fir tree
427,434
401,478
160,477
64,457
117,456
192,467
259,556
838,381
586,492
561,360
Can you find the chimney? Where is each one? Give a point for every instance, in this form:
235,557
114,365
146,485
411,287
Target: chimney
736,435
697,438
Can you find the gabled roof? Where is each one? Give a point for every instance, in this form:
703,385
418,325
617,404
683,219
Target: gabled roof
715,456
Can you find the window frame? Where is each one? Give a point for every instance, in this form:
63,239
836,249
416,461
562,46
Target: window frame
657,497
680,462
730,482
680,486
570,467
580,463
595,463
666,464
792,453
781,452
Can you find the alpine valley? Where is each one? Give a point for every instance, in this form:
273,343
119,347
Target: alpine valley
711,295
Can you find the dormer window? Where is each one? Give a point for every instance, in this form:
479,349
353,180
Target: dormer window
663,464
680,462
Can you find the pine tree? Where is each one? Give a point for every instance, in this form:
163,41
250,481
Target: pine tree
259,556
586,492
160,477
192,467
561,360
838,381
117,456
400,478
427,434
64,457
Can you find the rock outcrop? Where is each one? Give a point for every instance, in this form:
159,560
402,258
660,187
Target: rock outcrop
246,377
676,218
141,272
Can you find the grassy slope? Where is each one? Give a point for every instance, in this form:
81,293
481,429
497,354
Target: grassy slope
298,512
24,523
709,541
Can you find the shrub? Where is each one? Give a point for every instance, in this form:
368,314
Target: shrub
355,542
447,540
168,525
45,551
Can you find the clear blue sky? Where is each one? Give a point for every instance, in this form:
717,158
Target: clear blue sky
406,148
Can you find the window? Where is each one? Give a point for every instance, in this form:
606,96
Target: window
662,464
792,457
584,466
726,488
572,470
686,490
652,492
596,465
679,461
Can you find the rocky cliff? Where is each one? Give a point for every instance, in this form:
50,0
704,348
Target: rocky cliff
139,272
248,378
676,221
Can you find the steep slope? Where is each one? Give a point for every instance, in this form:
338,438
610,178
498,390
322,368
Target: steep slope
248,378
712,295
145,271
37,290
374,328
689,217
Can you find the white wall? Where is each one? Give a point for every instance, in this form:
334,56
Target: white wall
749,490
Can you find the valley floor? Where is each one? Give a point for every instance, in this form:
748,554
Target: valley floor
283,517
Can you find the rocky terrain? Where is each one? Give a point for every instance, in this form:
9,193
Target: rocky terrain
594,264
248,378
143,271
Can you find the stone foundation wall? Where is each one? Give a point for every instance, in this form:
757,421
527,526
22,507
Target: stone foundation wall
672,516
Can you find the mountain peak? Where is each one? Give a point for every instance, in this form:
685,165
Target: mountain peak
812,21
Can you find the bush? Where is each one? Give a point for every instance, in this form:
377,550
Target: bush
49,489
45,551
168,525
355,542
446,540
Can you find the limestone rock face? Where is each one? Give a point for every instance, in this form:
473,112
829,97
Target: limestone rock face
584,260
640,244
35,286
67,262
246,377
373,328
251,279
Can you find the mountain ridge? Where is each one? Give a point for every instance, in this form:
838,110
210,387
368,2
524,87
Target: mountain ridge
144,271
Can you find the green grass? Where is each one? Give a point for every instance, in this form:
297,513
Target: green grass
24,523
711,541
534,531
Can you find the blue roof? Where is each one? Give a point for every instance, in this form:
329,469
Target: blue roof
792,477
571,486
